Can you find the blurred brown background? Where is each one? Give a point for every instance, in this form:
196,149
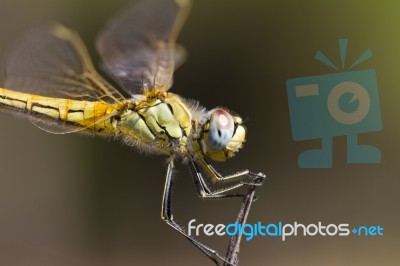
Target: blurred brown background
76,200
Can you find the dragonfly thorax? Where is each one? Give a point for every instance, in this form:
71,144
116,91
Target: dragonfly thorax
161,123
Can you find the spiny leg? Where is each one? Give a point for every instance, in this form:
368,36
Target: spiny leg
242,178
167,216
205,192
239,179
256,178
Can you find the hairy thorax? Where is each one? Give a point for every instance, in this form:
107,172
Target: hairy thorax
160,120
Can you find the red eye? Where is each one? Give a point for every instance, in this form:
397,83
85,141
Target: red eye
221,129
222,119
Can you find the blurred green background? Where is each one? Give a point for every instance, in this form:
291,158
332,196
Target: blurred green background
78,200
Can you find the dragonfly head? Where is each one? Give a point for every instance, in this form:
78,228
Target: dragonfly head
222,134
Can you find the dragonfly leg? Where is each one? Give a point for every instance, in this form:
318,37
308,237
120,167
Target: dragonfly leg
203,189
237,180
167,216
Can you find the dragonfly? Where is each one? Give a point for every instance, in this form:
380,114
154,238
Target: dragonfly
51,80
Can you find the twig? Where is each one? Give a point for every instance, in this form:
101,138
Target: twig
234,243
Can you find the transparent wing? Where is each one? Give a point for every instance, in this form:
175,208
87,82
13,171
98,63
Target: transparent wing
53,61
138,46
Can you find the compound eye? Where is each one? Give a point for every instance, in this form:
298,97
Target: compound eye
221,130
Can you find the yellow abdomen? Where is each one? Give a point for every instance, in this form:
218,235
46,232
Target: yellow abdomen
89,115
